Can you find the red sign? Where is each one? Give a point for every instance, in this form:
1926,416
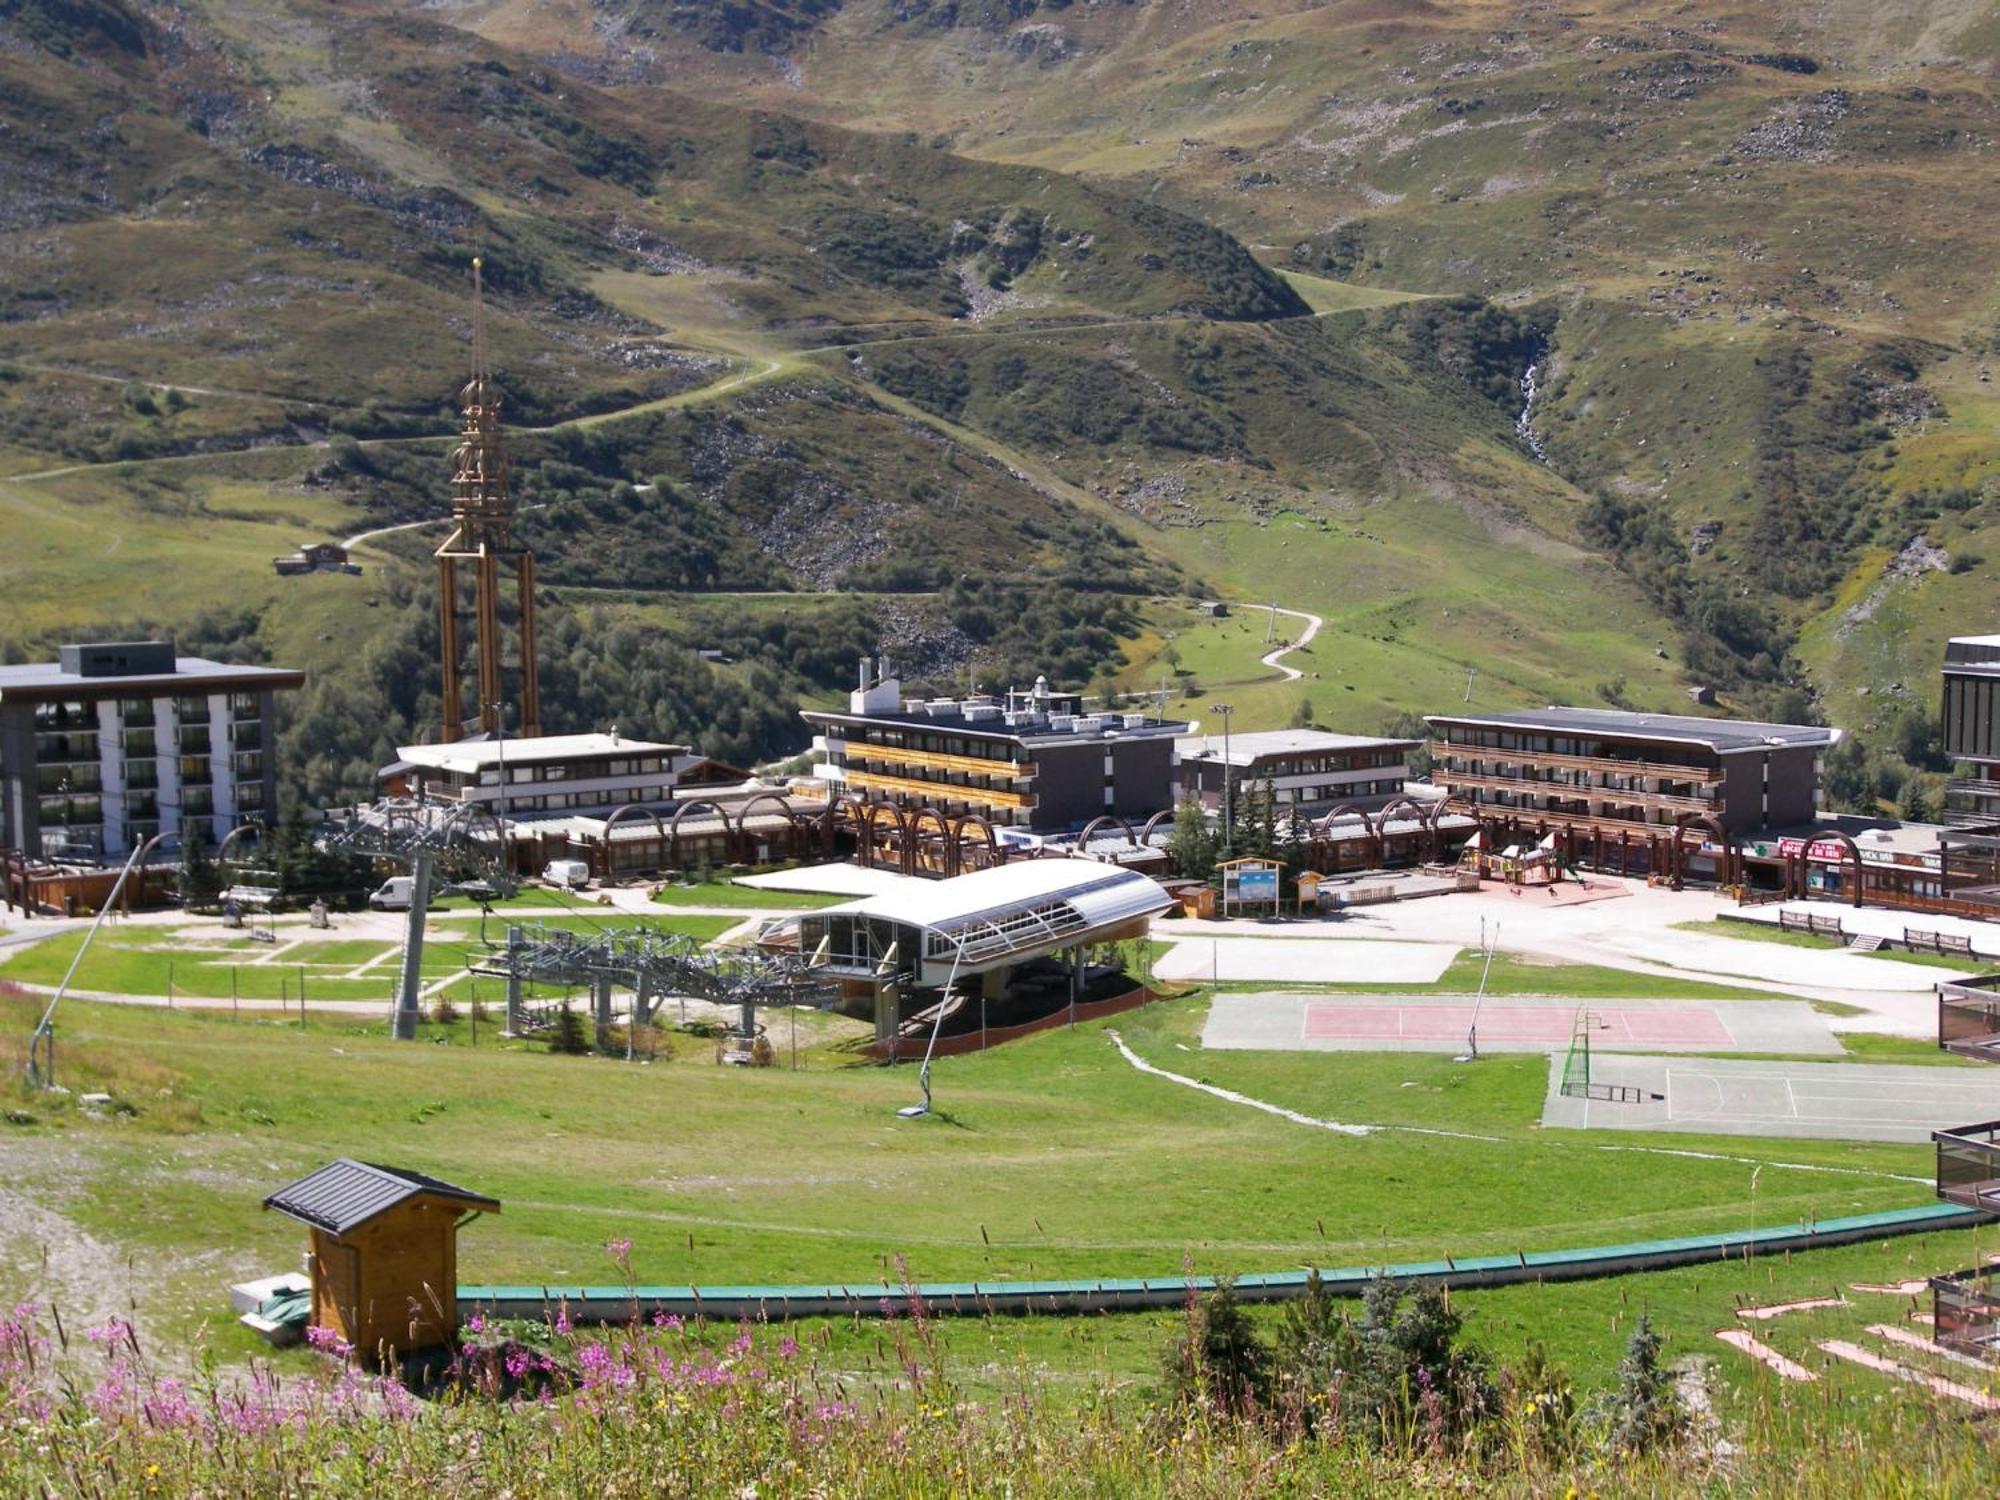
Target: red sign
1828,851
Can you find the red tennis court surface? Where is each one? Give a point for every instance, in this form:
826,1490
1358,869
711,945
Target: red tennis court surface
1520,1025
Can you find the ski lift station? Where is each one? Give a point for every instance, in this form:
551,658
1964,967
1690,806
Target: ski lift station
1022,927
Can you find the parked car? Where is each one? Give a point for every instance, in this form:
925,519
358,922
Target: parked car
570,874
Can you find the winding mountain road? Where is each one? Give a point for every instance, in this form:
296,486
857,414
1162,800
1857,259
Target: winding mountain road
1276,658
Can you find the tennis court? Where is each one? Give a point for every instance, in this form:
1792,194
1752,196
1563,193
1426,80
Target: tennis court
1288,1022
1817,1101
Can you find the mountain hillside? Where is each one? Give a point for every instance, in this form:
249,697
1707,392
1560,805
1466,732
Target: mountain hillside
1543,356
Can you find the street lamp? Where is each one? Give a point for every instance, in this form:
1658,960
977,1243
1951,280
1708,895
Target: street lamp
1224,710
918,1111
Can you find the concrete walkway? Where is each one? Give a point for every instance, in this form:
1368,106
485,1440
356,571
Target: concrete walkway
1639,934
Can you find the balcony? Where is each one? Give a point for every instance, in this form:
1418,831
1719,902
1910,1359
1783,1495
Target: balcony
938,791
1968,1165
933,760
1969,1017
1601,765
1566,792
1965,1313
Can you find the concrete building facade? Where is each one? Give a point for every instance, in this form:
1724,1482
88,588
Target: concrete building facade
1619,772
115,742
1970,716
561,774
1033,760
1309,771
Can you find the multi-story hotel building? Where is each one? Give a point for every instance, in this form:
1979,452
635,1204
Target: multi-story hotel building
1308,770
564,774
1971,720
1033,760
1609,771
113,743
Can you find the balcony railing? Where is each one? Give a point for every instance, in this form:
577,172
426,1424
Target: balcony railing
1965,1313
1968,1017
937,760
1565,791
1609,765
938,791
1968,1165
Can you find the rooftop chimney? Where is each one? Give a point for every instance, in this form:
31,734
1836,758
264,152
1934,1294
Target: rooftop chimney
879,691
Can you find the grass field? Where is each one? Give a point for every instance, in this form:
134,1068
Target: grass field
1760,932
1046,1158
192,962
750,897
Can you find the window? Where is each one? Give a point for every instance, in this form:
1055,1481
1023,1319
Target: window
139,743
191,707
246,705
193,739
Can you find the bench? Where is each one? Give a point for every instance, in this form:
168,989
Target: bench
1794,921
1948,942
1917,940
1825,926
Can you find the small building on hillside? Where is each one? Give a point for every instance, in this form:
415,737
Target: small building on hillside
383,1253
315,557
1034,759
1309,771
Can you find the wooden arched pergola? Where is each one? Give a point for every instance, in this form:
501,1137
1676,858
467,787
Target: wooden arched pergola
1732,857
606,865
1795,865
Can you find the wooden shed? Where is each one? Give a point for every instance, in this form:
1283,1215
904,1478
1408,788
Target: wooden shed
384,1256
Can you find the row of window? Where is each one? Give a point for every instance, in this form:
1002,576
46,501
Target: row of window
645,765
1562,744
77,713
933,744
1586,781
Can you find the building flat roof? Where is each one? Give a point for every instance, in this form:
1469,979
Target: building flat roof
1100,892
1038,732
477,753
1724,736
1246,749
43,679
1973,655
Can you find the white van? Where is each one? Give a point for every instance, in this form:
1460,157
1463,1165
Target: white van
395,894
571,874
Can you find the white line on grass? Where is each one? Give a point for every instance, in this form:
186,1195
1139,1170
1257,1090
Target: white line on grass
1232,1097
1758,1161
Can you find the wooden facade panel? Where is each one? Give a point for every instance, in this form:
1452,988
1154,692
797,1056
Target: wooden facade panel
938,791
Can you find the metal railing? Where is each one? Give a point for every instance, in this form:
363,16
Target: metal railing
1968,1165
1607,764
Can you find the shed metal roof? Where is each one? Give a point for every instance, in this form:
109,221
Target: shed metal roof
345,1194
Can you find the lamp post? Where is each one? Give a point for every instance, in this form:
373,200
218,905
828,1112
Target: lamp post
499,711
1223,711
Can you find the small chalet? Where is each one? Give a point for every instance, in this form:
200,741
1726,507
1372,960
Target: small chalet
384,1253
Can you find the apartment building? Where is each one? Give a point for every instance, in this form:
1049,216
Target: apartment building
1971,719
114,742
1034,760
1309,771
565,774
1617,772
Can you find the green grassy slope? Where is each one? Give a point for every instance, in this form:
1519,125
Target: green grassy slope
1717,213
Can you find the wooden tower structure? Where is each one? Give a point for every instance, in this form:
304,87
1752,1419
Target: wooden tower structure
482,535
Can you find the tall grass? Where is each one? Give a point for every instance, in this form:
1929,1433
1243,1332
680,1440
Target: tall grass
669,1409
